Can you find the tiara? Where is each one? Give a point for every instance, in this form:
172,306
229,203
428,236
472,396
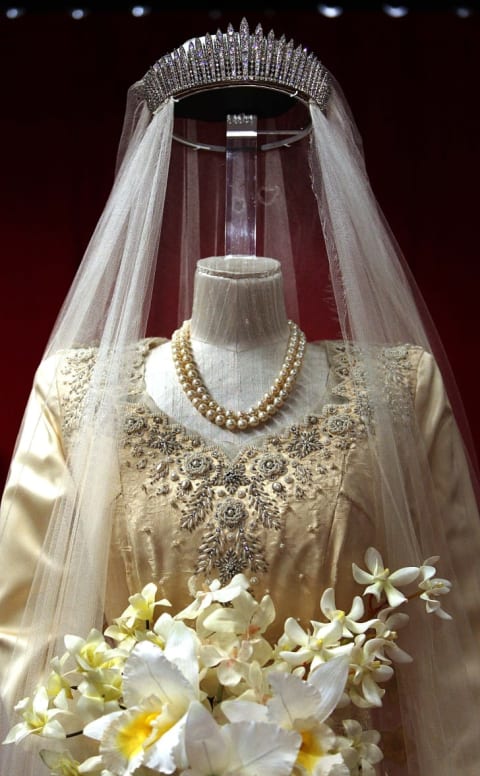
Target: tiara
237,59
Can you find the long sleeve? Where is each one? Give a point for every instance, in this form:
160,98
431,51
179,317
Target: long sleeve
457,539
37,478
451,479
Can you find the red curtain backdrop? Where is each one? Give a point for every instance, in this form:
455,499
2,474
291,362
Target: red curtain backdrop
413,87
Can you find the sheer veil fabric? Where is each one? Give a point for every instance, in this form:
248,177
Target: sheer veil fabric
345,280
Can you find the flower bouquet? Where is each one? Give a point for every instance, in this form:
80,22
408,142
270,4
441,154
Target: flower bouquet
215,697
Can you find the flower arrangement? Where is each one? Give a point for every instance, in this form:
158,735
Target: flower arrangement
215,697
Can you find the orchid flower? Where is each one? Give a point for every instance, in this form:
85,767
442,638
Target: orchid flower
63,764
386,627
301,706
38,719
246,617
212,593
137,616
93,654
316,647
247,747
157,694
350,621
381,580
432,588
368,667
361,753
231,659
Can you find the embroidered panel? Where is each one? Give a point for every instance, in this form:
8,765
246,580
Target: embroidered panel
233,504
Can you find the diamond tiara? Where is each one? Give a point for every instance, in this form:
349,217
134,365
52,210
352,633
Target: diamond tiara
237,59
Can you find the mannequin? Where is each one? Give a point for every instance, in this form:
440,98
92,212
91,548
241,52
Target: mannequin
373,459
239,332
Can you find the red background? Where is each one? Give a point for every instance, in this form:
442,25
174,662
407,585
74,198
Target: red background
412,84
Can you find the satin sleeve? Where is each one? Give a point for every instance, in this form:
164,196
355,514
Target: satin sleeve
458,541
38,477
456,501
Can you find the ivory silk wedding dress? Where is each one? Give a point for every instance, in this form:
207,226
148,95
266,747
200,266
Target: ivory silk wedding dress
119,480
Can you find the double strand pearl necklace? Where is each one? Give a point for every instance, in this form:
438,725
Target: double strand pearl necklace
192,383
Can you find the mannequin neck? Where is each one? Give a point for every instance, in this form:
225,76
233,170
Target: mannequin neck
238,303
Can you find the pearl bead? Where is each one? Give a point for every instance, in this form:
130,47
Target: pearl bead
191,382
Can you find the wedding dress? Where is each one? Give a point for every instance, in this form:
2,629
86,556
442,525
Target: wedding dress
109,490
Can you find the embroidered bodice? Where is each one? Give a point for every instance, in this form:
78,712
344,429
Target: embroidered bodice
291,511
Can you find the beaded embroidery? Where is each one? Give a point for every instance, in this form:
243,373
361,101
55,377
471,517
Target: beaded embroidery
232,506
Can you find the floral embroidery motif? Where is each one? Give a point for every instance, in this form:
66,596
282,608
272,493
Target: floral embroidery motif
231,507
75,374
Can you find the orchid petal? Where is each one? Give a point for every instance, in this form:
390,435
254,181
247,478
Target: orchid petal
330,679
394,596
327,602
374,561
404,576
263,748
361,576
244,711
294,700
294,631
148,672
357,610
206,744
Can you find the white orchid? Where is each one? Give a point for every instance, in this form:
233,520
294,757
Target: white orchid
301,706
246,617
63,764
361,752
381,581
386,626
93,654
145,700
157,694
245,748
433,587
319,646
368,668
137,617
212,593
230,656
38,718
350,620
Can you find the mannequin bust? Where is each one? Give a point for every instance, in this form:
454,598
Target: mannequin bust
239,333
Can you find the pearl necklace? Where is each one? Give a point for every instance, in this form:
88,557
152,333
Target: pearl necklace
192,384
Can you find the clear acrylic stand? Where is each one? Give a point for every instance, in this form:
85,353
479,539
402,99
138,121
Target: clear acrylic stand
241,185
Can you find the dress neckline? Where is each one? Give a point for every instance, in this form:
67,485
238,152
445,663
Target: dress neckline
337,393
